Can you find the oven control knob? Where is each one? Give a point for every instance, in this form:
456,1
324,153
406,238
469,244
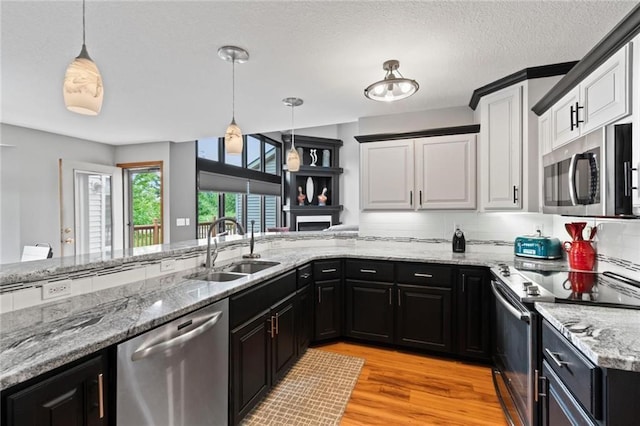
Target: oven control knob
533,290
526,284
506,273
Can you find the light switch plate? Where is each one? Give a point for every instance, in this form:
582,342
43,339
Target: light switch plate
180,221
56,289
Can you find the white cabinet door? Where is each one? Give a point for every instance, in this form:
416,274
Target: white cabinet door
501,149
446,172
604,93
544,133
563,119
386,175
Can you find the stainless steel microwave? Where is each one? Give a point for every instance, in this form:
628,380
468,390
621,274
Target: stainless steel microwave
588,177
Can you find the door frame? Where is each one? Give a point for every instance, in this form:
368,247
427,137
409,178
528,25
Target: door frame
126,169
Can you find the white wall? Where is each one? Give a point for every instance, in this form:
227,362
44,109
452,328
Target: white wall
182,186
157,151
29,198
350,178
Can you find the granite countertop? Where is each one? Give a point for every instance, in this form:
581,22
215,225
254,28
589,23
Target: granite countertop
609,337
38,339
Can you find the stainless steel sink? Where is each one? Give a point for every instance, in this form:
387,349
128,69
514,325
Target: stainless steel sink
215,276
250,266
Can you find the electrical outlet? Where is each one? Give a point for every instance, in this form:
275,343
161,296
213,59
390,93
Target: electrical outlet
56,289
167,265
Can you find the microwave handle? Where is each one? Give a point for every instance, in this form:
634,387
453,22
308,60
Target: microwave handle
593,166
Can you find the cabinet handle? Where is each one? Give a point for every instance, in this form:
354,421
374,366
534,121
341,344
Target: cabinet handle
571,112
390,301
578,108
515,194
272,326
628,178
368,271
101,394
411,198
277,324
555,359
319,295
545,387
464,279
326,271
399,297
418,274
421,198
536,378
305,276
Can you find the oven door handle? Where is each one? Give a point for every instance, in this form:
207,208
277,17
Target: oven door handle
522,316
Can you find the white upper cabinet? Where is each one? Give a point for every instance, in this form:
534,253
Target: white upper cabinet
386,175
446,172
601,98
544,133
429,173
501,149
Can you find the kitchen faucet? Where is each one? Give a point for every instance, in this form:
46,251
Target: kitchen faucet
251,254
210,259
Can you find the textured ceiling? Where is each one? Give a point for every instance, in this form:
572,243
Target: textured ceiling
164,81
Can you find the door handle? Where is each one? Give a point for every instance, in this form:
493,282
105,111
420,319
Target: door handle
145,351
68,241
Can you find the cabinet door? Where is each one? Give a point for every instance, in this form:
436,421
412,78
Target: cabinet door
501,149
73,397
446,172
283,346
304,315
604,93
424,317
369,310
474,301
250,364
386,175
327,309
564,127
544,133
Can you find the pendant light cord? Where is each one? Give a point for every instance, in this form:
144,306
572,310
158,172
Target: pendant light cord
83,24
233,88
293,137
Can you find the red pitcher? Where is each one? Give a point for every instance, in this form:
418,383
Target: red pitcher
582,255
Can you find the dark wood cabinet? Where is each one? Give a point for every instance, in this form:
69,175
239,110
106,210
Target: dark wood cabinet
327,299
559,407
283,333
369,310
76,396
304,321
473,313
424,317
250,364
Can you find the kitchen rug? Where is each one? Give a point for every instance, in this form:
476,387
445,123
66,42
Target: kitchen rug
314,392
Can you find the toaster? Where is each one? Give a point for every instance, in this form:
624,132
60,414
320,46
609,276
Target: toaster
538,247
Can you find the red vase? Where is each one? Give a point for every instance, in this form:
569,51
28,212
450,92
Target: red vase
581,255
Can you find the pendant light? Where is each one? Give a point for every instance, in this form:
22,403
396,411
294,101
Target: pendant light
293,159
82,89
233,135
391,88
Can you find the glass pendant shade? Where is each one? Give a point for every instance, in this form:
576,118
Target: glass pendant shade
233,139
391,88
293,160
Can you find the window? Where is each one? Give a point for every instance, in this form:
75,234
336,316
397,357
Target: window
246,187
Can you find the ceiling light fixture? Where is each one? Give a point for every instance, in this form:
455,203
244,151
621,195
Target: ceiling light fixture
293,159
391,88
82,89
233,135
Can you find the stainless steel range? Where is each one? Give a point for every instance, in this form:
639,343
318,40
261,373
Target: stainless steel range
517,324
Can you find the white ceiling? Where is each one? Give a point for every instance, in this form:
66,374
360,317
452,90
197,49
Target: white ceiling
164,81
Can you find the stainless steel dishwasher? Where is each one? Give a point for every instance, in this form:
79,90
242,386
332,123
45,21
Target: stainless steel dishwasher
177,374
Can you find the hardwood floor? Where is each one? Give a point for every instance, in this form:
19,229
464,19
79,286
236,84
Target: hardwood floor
397,388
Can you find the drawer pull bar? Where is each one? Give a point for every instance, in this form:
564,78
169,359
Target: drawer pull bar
418,274
368,271
101,394
555,359
305,276
326,271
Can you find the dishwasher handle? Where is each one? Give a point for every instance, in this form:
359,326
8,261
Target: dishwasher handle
522,316
145,351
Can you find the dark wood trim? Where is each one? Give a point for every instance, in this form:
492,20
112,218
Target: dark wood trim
312,209
202,164
620,35
517,77
315,141
442,131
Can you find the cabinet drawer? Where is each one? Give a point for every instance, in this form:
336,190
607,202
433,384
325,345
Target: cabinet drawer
369,270
424,274
579,375
561,407
327,270
305,275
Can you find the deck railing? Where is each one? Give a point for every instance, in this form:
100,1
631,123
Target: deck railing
146,235
203,227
